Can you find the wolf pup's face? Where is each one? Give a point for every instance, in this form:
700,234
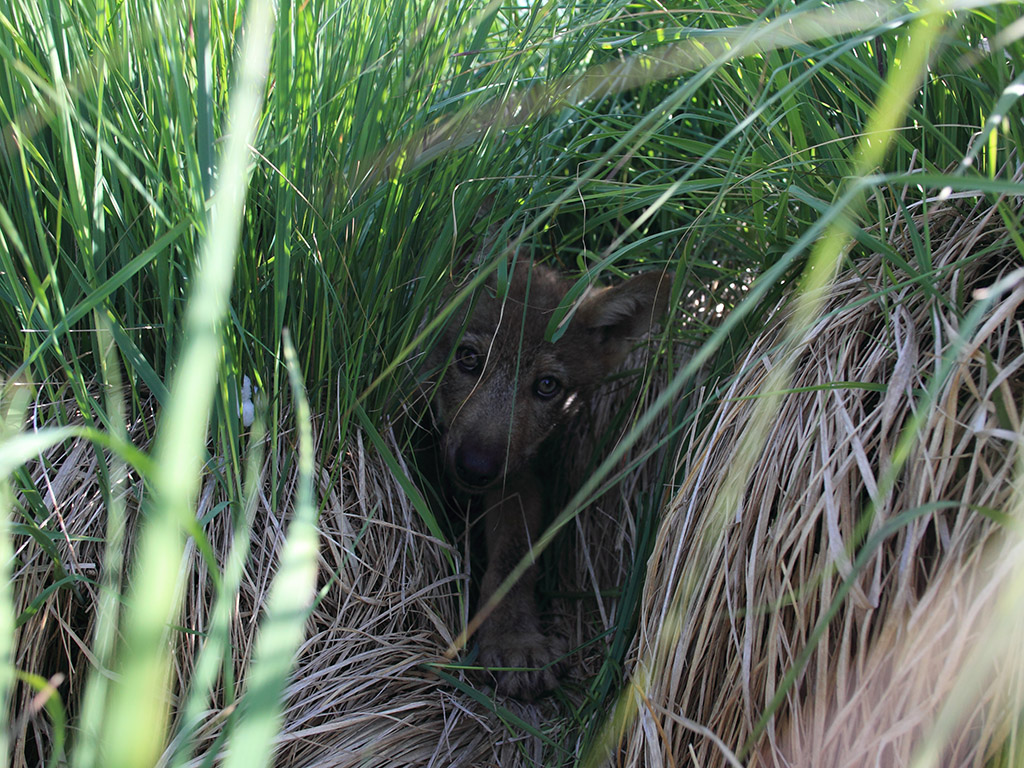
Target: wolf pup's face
505,388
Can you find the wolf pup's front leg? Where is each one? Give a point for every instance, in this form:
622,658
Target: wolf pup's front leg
524,661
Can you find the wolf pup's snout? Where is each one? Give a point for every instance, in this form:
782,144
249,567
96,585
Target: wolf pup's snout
504,389
478,466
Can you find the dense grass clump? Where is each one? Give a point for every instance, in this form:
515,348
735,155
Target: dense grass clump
867,558
216,210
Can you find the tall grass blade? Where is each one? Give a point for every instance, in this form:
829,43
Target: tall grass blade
13,404
135,727
104,644
218,635
822,266
291,597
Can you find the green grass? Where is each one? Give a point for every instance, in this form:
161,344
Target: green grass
146,252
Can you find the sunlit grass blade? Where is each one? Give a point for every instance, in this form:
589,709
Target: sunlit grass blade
287,610
211,657
13,404
104,642
134,730
823,263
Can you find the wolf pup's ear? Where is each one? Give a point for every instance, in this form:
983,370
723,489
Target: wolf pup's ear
625,312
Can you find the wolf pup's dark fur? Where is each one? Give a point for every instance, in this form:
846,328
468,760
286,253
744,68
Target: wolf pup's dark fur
503,393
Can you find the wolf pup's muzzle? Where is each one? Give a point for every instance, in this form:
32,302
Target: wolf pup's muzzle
478,467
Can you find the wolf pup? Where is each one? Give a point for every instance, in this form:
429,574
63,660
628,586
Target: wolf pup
505,390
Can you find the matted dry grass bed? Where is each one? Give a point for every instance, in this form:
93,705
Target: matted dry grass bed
747,595
390,603
732,600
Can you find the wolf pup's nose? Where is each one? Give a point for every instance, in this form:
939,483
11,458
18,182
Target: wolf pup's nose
477,468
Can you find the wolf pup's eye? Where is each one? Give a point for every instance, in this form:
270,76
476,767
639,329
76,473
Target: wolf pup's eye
547,387
468,360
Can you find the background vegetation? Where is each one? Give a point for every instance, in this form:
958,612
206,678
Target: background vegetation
193,194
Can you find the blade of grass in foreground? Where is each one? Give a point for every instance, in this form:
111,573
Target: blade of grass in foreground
218,637
288,606
817,277
135,720
109,605
10,420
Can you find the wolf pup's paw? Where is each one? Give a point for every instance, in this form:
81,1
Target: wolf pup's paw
525,664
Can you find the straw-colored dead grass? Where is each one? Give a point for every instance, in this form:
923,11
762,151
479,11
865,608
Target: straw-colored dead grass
390,601
732,599
749,594
359,694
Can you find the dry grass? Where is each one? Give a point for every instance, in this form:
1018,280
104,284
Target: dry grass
389,604
359,695
750,594
731,604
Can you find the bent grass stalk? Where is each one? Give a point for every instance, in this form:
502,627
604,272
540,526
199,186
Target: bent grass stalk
818,275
